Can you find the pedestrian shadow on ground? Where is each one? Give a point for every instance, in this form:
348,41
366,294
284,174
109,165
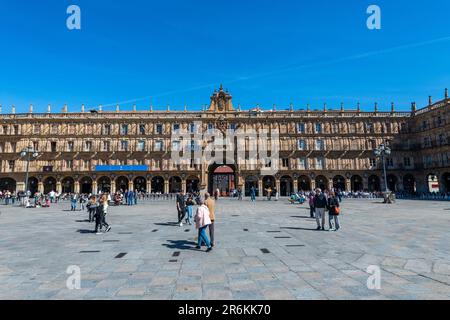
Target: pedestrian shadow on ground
298,228
82,221
83,231
167,224
302,217
180,244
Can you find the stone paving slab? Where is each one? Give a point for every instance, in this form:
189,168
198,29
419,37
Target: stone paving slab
267,250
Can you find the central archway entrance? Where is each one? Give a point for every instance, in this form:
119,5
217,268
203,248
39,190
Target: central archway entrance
222,177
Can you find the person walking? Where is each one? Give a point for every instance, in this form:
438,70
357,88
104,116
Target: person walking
333,212
202,220
181,207
189,209
73,202
311,204
320,205
92,207
253,194
211,204
100,218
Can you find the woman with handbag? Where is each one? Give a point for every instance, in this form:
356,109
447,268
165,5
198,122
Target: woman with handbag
333,211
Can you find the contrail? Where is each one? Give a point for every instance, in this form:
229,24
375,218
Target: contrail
293,68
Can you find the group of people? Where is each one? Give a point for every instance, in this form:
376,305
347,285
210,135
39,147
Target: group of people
7,197
322,202
204,217
98,209
127,197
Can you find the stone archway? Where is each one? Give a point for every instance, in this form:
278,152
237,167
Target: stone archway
192,184
339,183
49,185
357,183
140,184
175,184
122,184
33,185
104,185
286,186
446,182
322,183
86,185
222,177
68,185
8,184
409,184
251,181
158,184
268,182
392,182
374,184
304,183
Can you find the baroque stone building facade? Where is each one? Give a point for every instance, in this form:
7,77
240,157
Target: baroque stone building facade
92,151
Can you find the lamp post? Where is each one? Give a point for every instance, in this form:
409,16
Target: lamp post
28,154
381,152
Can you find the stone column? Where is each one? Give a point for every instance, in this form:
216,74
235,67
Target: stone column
166,186
58,186
130,185
348,185
113,186
40,187
77,187
330,184
260,188
20,186
183,185
278,185
295,185
365,182
149,185
313,184
94,187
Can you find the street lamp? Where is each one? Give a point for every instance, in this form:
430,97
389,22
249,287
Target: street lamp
28,154
381,152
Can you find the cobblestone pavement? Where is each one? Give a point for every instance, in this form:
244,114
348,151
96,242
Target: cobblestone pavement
409,241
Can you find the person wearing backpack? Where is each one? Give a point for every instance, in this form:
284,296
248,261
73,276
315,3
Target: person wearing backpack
333,212
320,205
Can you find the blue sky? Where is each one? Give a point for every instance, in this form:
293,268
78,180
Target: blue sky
265,52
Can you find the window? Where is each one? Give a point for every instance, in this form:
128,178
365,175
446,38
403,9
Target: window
233,126
424,125
69,164
320,163
389,162
373,162
301,145
369,128
176,128
106,146
142,129
107,129
53,146
36,129
320,145
318,128
285,162
301,128
71,129
302,163
176,146
426,142
54,129
124,129
441,139
13,147
159,129
158,145
35,145
5,129
70,146
192,127
87,164
141,145
88,146
335,128
407,161
124,145
210,127
15,129
11,165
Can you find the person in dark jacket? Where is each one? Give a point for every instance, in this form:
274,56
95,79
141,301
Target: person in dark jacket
320,205
181,207
333,214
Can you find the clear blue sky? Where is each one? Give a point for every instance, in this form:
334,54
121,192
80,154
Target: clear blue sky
263,51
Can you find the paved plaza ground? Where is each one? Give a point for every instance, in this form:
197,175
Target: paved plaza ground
409,241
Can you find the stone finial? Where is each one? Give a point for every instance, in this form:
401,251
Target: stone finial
185,108
291,107
100,108
0,108
13,109
358,107
274,107
325,107
430,100
392,107
65,108
308,107
117,108
83,108
413,107
168,108
31,108
134,108
151,108
342,107
376,107
49,108
239,107
446,93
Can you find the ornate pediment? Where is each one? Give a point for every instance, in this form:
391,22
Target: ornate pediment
221,101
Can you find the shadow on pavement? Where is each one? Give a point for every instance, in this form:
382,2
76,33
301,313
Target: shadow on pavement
167,224
180,244
85,231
